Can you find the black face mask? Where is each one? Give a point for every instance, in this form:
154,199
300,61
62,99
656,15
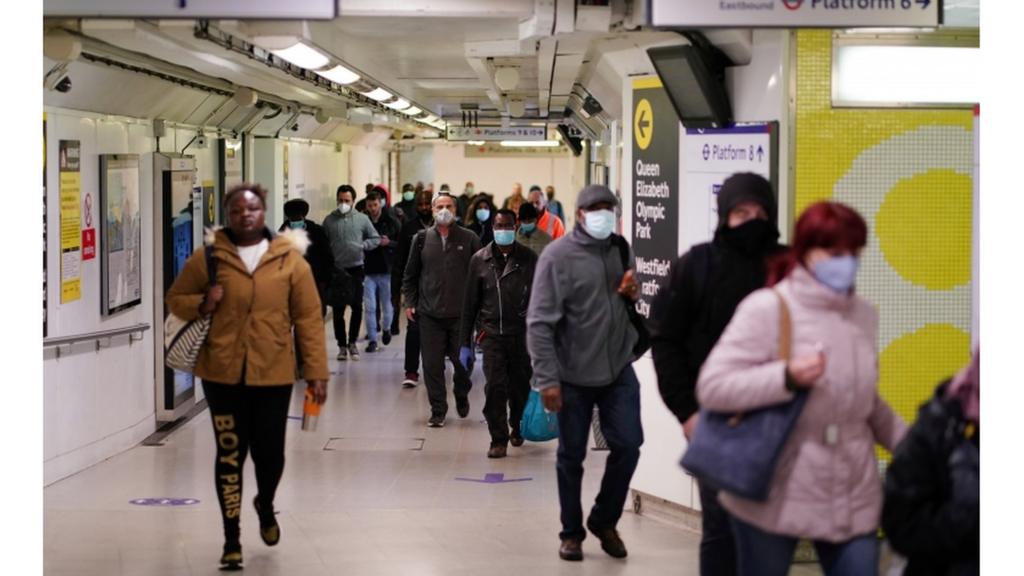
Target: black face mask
426,216
751,237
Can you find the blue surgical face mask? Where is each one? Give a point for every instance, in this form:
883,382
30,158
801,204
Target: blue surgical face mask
838,272
504,237
408,196
296,224
528,228
483,214
599,223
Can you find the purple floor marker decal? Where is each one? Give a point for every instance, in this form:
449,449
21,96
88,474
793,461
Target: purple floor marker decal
164,501
495,478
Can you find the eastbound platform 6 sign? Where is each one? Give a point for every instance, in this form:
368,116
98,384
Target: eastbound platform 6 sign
797,13
655,188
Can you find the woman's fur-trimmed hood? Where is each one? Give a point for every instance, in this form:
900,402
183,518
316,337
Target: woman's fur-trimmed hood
297,238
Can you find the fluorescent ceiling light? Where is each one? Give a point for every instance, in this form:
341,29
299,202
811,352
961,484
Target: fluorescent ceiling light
339,74
303,56
475,142
412,111
399,104
379,94
872,75
530,143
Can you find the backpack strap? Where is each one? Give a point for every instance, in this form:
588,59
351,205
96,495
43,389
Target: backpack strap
623,246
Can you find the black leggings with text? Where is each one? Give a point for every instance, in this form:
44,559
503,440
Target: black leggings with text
247,418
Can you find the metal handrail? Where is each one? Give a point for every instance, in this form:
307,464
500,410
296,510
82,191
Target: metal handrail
95,336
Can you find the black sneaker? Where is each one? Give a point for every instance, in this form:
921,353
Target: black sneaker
353,352
371,347
342,353
231,559
396,330
270,532
411,379
462,406
386,338
436,421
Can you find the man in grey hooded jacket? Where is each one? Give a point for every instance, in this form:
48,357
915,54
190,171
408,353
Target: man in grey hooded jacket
581,343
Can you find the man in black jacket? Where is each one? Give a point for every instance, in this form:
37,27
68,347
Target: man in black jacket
433,289
707,284
378,271
319,254
424,218
498,295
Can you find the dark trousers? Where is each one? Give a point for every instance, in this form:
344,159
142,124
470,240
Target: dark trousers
353,299
412,347
247,418
717,545
618,406
439,339
396,304
761,553
508,372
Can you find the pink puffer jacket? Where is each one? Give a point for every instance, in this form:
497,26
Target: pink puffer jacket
827,485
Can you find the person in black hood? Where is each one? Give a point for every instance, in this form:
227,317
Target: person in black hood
707,284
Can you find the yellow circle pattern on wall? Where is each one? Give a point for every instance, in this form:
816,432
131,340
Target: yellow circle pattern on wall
926,237
911,366
908,172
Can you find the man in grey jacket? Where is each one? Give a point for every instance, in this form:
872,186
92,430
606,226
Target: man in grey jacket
581,341
433,289
350,234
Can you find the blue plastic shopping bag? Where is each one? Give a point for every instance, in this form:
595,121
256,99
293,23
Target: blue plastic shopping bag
538,425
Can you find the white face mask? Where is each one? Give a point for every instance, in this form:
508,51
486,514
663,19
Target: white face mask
345,207
444,217
599,223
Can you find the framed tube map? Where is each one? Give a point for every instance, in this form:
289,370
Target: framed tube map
121,236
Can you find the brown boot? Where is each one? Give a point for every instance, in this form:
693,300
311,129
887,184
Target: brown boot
571,550
497,451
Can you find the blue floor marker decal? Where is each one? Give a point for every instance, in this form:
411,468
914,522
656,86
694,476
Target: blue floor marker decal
164,501
496,478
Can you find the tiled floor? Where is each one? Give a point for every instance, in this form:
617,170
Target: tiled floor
368,506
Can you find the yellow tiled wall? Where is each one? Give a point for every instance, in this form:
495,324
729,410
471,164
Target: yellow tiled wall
908,172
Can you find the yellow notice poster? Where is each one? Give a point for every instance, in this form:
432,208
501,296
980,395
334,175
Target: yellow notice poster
70,221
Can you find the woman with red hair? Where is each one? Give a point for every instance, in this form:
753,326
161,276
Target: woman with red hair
826,485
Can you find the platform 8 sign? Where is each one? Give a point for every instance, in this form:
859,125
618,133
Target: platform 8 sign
712,155
655,188
797,13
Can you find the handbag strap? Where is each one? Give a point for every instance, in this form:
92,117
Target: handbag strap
211,266
785,328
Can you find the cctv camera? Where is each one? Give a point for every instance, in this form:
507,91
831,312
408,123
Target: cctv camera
64,85
201,141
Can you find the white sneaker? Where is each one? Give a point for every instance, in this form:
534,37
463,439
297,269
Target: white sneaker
353,353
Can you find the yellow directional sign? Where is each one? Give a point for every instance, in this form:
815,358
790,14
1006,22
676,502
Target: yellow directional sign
643,124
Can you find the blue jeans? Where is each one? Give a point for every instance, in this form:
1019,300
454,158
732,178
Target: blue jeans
618,406
760,553
374,284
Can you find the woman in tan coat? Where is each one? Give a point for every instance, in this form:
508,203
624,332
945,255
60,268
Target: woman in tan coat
263,287
826,485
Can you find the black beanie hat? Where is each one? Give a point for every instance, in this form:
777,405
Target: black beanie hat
744,187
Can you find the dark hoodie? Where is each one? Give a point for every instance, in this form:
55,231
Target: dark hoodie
707,284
